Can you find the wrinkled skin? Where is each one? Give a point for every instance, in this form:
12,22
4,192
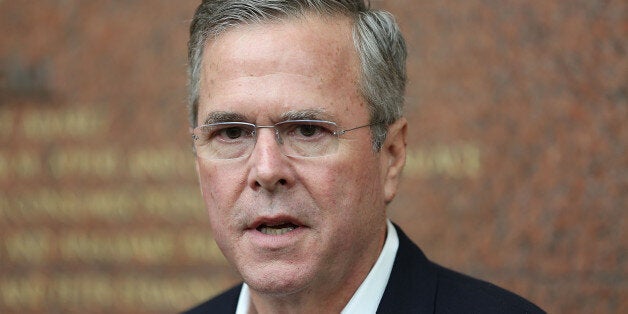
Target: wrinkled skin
338,202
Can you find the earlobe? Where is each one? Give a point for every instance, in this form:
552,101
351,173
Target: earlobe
394,150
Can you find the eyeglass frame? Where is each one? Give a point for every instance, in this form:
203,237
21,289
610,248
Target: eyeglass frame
278,138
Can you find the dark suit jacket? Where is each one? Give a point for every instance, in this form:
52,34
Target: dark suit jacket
416,285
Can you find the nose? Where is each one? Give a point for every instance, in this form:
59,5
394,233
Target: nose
269,167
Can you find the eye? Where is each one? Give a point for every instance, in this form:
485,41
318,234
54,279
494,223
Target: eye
231,132
308,130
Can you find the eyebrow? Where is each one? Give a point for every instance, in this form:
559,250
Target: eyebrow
224,116
307,114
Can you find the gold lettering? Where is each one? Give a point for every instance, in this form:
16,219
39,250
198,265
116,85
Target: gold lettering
443,160
20,165
101,163
73,206
200,289
446,160
150,248
109,205
199,246
471,160
71,123
78,291
157,294
26,164
88,247
6,123
4,166
149,292
31,247
83,290
179,204
23,293
38,205
5,209
161,163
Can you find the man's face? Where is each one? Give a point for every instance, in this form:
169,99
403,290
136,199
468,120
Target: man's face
260,73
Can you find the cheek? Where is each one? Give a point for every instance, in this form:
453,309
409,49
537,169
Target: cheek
219,187
207,179
341,188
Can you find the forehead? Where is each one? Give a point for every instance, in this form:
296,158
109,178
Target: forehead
273,67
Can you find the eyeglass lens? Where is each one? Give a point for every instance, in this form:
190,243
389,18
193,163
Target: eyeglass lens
301,138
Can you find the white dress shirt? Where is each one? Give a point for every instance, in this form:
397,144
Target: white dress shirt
366,298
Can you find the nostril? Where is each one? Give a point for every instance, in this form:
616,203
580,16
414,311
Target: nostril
280,182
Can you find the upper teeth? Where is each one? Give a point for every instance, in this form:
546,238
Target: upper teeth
275,231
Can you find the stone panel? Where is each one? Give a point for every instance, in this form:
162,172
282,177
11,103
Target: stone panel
517,167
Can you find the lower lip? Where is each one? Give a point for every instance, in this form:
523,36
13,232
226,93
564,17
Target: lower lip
275,242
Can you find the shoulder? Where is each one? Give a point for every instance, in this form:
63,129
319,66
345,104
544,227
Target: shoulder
225,302
418,283
457,292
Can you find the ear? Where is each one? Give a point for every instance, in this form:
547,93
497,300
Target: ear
198,173
393,155
196,165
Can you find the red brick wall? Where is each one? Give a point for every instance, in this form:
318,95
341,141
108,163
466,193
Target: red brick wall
517,171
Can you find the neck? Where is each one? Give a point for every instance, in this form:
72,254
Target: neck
302,303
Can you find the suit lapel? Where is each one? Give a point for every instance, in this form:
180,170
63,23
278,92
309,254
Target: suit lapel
412,284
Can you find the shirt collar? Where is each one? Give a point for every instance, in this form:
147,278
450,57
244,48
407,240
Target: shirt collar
366,298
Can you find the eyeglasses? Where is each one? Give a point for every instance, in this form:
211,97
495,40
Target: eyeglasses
296,138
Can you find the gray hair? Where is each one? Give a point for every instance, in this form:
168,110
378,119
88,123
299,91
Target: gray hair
376,36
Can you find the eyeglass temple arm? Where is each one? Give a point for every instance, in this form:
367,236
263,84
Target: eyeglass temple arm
341,132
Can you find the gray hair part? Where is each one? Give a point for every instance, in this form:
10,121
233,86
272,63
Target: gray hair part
376,36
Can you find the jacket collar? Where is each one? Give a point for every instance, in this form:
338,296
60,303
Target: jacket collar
413,281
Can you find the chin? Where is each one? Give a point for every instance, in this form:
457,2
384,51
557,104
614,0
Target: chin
277,280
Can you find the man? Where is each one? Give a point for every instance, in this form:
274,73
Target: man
300,142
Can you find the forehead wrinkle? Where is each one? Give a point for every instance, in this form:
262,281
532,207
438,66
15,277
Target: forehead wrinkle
267,75
256,69
243,80
239,36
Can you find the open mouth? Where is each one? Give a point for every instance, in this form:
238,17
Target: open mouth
276,229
